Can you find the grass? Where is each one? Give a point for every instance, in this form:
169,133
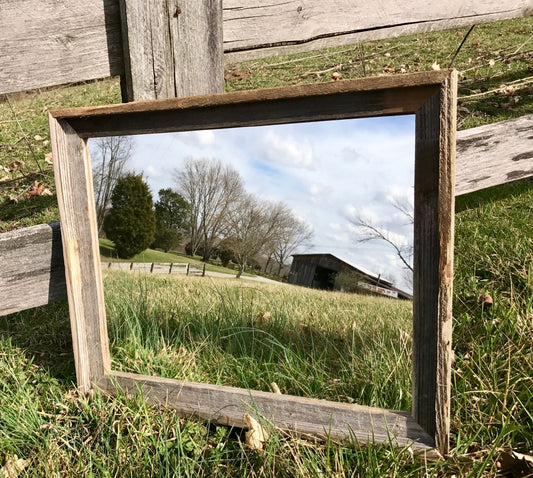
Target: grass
219,332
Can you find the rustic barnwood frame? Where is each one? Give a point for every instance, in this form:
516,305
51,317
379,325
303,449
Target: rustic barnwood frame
431,96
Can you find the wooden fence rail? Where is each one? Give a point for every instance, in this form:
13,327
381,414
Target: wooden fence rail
32,259
52,42
158,267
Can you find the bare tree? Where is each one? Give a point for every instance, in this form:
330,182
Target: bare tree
110,158
368,231
248,229
292,234
210,188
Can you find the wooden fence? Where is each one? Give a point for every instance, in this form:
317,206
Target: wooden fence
170,50
158,267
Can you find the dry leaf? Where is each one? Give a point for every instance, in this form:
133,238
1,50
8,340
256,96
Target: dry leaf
275,388
516,464
485,301
38,138
491,62
13,467
36,189
46,142
14,166
48,158
5,178
336,76
435,66
256,436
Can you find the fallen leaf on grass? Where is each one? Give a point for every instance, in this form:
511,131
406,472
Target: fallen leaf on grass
38,137
506,89
256,436
5,178
13,467
236,74
14,166
516,464
37,189
435,66
48,158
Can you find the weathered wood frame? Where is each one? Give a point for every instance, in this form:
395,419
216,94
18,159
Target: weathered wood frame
431,96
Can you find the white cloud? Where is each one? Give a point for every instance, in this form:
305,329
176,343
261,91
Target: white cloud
198,138
287,149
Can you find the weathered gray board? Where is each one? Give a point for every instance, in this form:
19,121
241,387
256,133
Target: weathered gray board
486,156
166,46
52,42
494,154
32,270
296,415
255,29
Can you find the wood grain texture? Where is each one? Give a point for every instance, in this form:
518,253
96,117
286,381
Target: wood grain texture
53,42
255,29
494,154
172,50
302,416
378,96
73,178
433,262
31,268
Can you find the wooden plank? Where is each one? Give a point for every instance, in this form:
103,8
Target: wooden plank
172,50
494,154
433,262
31,269
301,416
81,253
388,95
256,29
52,42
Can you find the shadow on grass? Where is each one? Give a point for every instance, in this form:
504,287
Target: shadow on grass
44,334
492,195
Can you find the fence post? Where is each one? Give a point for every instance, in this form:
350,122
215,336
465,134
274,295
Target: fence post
170,268
188,265
172,49
152,268
203,271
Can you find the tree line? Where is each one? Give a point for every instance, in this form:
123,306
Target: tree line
209,207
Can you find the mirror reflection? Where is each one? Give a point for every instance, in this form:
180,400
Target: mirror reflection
275,258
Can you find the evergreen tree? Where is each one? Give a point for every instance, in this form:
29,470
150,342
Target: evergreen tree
130,223
172,215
